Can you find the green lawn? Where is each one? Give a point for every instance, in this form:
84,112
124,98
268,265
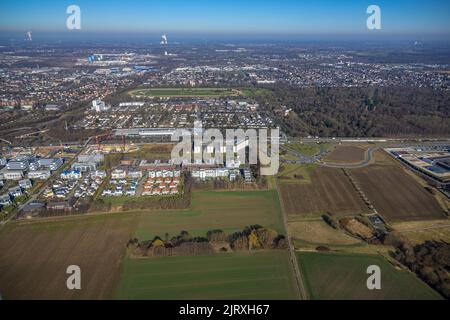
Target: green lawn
185,92
257,275
335,276
256,92
229,211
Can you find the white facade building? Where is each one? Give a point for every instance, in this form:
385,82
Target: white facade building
99,106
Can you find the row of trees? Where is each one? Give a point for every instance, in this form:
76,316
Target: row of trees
251,238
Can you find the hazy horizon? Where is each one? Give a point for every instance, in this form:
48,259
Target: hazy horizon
287,19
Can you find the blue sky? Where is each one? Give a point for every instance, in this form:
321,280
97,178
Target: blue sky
228,16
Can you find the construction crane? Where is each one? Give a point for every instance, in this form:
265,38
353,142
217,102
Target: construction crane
98,139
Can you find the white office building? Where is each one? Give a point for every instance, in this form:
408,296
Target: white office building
99,106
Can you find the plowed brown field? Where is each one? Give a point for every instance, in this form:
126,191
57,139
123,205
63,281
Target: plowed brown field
329,191
346,154
396,195
34,257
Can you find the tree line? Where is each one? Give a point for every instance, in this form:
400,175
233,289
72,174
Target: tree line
253,237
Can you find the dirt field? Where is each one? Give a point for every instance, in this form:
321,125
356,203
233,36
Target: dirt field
417,232
396,195
317,232
346,154
329,191
34,257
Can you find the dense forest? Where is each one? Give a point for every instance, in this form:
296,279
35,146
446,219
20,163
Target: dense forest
360,112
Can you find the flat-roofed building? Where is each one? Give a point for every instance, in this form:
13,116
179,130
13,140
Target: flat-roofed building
39,174
17,165
5,200
12,174
25,184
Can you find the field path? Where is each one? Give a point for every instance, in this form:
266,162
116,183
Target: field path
303,293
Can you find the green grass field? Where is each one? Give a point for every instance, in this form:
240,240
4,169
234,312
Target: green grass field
229,211
335,276
256,92
258,275
186,92
296,173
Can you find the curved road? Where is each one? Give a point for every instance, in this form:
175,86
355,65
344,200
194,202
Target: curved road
368,160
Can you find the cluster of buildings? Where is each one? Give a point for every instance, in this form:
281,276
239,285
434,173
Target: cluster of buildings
175,113
8,198
90,184
72,184
163,182
124,181
121,187
432,161
220,173
100,106
51,89
28,166
18,174
88,161
143,180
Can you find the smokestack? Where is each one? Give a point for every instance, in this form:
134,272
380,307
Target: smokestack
164,40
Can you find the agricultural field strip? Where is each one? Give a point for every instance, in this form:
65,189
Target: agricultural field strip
445,226
292,257
267,266
207,283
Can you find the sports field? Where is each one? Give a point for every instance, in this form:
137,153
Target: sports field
229,211
186,92
257,275
335,276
